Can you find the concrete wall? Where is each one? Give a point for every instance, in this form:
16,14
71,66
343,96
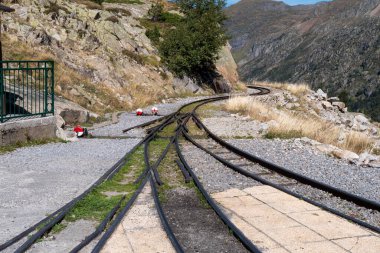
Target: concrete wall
28,129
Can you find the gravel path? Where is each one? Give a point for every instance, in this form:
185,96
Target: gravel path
129,119
294,155
38,180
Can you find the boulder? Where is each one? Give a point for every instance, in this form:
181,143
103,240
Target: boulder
374,164
361,119
321,95
72,116
339,105
60,122
345,154
366,158
327,105
333,99
185,83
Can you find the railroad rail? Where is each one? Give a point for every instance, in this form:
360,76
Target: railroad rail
278,178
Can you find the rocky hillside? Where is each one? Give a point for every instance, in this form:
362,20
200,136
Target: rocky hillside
334,46
105,61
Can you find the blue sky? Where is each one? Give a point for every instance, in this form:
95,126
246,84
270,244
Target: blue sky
290,2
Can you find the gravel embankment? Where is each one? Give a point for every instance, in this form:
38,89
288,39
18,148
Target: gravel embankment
38,180
129,119
295,156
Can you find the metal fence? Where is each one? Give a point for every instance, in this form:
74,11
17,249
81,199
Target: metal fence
26,89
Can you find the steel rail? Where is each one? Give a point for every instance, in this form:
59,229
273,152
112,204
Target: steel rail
147,123
99,229
236,231
267,182
103,240
177,246
147,162
68,205
370,204
59,215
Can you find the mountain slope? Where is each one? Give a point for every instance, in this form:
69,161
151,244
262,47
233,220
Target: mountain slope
334,46
104,60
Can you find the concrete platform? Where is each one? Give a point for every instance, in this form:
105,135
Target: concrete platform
141,229
277,222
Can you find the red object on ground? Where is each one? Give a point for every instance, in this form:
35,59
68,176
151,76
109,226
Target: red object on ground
78,129
139,112
154,110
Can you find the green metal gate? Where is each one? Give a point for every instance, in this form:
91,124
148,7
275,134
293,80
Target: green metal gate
26,89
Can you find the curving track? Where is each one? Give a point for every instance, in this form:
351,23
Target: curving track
267,173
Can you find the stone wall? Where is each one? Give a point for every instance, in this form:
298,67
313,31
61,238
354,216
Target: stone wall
28,129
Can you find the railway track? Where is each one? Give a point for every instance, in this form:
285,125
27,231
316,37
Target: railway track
230,156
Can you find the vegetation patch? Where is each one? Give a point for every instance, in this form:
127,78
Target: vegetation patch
96,205
121,11
55,8
296,124
169,172
296,89
13,147
92,5
113,19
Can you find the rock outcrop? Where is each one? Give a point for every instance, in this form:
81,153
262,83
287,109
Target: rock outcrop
104,46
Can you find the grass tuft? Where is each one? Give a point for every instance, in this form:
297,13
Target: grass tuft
13,147
286,124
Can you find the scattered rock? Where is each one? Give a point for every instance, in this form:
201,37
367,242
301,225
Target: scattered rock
340,105
333,99
327,105
374,164
366,158
321,95
361,119
345,154
326,148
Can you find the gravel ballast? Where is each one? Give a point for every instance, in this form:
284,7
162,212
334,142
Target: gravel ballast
215,176
36,181
214,181
295,156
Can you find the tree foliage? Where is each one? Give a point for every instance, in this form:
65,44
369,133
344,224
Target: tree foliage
192,47
156,12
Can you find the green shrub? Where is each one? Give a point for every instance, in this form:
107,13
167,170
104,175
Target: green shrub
193,47
121,11
155,12
153,35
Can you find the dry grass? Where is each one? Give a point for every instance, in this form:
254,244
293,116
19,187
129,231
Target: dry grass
90,5
105,98
296,89
294,125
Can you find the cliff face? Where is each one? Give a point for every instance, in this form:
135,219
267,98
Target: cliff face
334,46
103,46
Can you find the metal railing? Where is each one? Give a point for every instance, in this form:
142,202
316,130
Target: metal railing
26,89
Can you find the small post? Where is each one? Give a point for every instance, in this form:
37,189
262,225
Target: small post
3,8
